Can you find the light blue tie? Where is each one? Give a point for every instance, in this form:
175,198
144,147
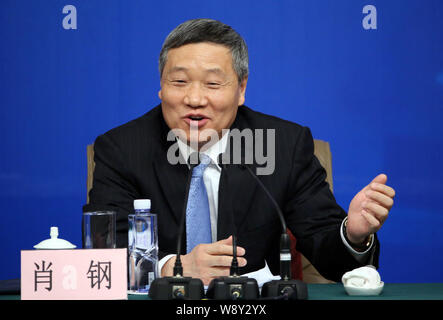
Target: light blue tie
198,221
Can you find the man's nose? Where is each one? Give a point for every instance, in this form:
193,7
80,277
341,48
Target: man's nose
195,96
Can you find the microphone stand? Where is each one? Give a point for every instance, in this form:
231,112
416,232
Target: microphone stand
286,288
234,286
179,287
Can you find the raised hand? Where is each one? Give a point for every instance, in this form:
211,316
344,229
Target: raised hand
369,209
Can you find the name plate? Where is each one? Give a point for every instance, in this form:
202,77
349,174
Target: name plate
78,274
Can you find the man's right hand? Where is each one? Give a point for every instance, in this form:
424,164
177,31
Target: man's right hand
207,261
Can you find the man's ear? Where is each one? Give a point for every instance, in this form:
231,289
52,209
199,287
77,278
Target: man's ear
243,83
160,94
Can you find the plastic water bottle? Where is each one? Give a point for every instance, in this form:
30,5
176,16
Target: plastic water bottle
143,247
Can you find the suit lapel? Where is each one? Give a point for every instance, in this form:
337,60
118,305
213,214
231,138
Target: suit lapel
172,178
236,193
172,181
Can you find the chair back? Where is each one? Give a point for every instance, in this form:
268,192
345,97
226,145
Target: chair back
91,167
322,151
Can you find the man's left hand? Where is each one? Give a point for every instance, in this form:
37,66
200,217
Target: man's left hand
369,209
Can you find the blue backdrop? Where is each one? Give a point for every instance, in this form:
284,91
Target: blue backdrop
376,95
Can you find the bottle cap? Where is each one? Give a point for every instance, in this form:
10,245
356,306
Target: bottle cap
54,242
140,204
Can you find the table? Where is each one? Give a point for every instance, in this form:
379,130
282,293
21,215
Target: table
391,291
336,291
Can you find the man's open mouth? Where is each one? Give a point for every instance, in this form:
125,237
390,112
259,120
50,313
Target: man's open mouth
196,118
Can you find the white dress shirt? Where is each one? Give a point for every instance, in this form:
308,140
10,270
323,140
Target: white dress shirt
211,178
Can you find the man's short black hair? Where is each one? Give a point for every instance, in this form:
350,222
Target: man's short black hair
208,30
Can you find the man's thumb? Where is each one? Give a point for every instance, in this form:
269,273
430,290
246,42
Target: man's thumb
381,178
228,240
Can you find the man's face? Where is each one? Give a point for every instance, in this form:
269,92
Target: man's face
199,87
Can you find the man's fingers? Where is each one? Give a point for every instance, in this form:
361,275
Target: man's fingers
380,198
379,184
224,247
372,221
220,261
387,190
219,254
225,261
379,212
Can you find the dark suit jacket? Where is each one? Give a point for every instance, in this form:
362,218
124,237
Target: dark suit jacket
131,163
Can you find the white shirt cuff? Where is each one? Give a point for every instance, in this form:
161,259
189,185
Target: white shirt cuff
162,262
361,257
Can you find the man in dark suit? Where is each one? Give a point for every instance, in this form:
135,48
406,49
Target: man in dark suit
204,72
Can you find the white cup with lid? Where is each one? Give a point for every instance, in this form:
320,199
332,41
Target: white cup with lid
54,243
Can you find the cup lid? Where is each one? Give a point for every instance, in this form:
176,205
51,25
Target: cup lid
54,242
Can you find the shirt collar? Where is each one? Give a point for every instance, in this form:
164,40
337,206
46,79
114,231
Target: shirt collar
213,151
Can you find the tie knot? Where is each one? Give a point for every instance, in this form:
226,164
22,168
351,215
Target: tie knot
205,160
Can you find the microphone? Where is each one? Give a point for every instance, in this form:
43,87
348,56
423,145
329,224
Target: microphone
286,288
179,287
234,286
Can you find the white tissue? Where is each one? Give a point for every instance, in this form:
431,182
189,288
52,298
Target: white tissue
365,277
